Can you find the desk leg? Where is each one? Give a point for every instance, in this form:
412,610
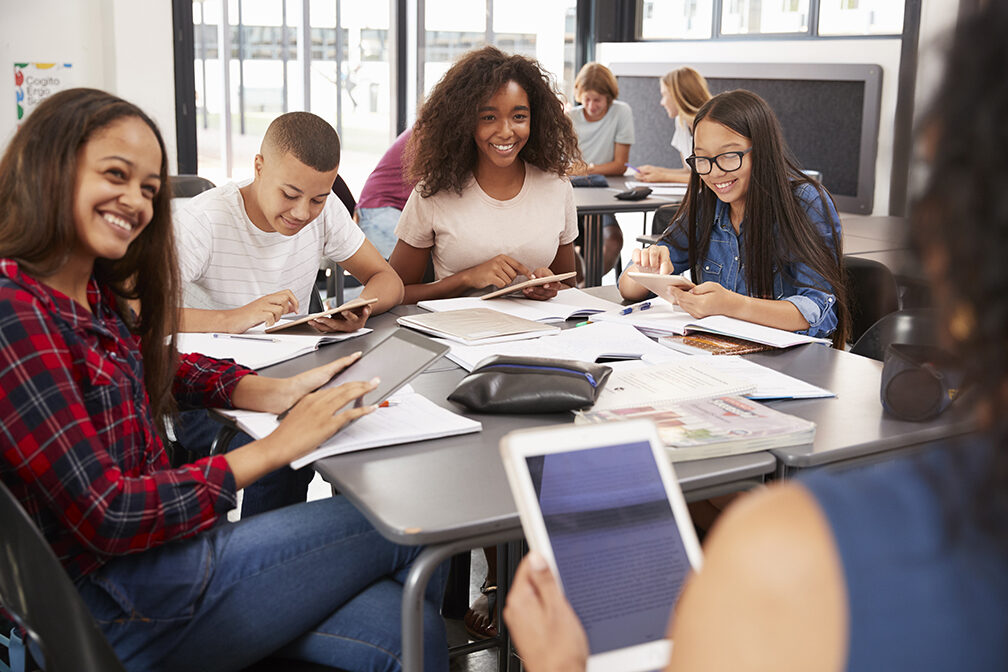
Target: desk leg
592,250
416,584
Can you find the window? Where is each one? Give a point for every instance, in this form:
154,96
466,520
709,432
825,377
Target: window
748,17
860,17
677,19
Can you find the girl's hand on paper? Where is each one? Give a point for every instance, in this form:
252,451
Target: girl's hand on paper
266,309
318,416
542,624
651,174
498,272
345,321
708,298
542,292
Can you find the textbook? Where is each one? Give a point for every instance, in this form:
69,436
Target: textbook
408,417
711,344
714,426
672,382
571,303
663,319
256,349
477,325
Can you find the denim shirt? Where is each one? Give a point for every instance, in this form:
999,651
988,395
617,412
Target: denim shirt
797,283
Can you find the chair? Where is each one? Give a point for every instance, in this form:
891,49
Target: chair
37,593
187,186
872,292
331,275
918,326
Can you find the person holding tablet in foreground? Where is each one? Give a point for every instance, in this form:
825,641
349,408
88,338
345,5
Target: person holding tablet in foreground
85,234
902,565
683,93
760,238
490,152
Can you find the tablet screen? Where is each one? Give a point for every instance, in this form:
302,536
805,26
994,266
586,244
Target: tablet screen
618,551
395,360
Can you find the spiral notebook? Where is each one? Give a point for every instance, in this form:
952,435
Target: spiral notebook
667,384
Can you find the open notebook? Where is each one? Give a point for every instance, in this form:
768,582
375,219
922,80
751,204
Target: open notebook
257,350
476,325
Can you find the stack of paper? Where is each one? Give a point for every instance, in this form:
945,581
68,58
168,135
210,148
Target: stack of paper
715,426
663,384
476,325
255,349
409,417
567,304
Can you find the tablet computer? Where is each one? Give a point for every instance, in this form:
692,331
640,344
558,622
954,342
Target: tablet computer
395,360
353,304
602,505
534,282
660,283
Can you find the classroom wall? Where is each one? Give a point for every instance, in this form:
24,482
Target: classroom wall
121,46
936,19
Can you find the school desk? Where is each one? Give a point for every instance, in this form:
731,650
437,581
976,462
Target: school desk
593,203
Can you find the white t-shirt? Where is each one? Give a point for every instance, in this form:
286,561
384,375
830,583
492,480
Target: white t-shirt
597,139
682,139
227,262
467,230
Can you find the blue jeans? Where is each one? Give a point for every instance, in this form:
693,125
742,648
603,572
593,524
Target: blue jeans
378,224
312,582
195,431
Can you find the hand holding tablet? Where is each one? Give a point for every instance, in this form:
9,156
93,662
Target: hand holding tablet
534,282
661,284
302,322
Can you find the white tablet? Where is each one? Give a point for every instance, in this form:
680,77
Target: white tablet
602,504
660,283
300,325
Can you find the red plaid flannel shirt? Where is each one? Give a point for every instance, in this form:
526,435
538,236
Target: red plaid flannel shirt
78,446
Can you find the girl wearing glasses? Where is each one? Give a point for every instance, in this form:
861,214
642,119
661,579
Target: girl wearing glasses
759,237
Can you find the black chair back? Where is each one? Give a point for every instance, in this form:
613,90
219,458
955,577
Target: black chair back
918,326
38,594
872,293
187,186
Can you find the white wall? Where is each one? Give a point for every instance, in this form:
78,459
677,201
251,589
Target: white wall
121,46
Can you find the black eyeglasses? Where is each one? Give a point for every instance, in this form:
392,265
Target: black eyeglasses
728,162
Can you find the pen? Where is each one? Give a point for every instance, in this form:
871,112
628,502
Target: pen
640,306
268,339
636,170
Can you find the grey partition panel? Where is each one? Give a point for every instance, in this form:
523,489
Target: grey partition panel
829,113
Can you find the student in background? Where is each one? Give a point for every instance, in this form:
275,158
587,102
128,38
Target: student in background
250,251
84,235
903,565
760,238
605,132
490,152
683,92
383,197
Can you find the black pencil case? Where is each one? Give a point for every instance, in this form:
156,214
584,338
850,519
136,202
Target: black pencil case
502,384
592,180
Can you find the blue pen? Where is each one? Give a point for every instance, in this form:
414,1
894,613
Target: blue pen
640,306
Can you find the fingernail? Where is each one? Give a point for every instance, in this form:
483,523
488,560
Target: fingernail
375,381
357,354
372,408
536,561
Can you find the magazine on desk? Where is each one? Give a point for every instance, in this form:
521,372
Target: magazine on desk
473,326
714,426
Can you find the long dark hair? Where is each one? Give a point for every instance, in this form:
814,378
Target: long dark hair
961,229
778,232
38,178
441,153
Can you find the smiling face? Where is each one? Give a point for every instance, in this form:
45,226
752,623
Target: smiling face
595,104
118,176
288,194
710,139
503,127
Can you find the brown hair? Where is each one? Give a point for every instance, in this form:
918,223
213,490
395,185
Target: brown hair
441,153
778,230
598,78
688,89
38,180
307,137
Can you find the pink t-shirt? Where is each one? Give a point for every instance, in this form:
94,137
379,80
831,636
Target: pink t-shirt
385,186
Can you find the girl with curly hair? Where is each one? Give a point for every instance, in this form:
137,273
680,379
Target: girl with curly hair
490,152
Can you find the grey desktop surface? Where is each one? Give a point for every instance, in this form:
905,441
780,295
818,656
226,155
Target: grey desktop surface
603,201
853,425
